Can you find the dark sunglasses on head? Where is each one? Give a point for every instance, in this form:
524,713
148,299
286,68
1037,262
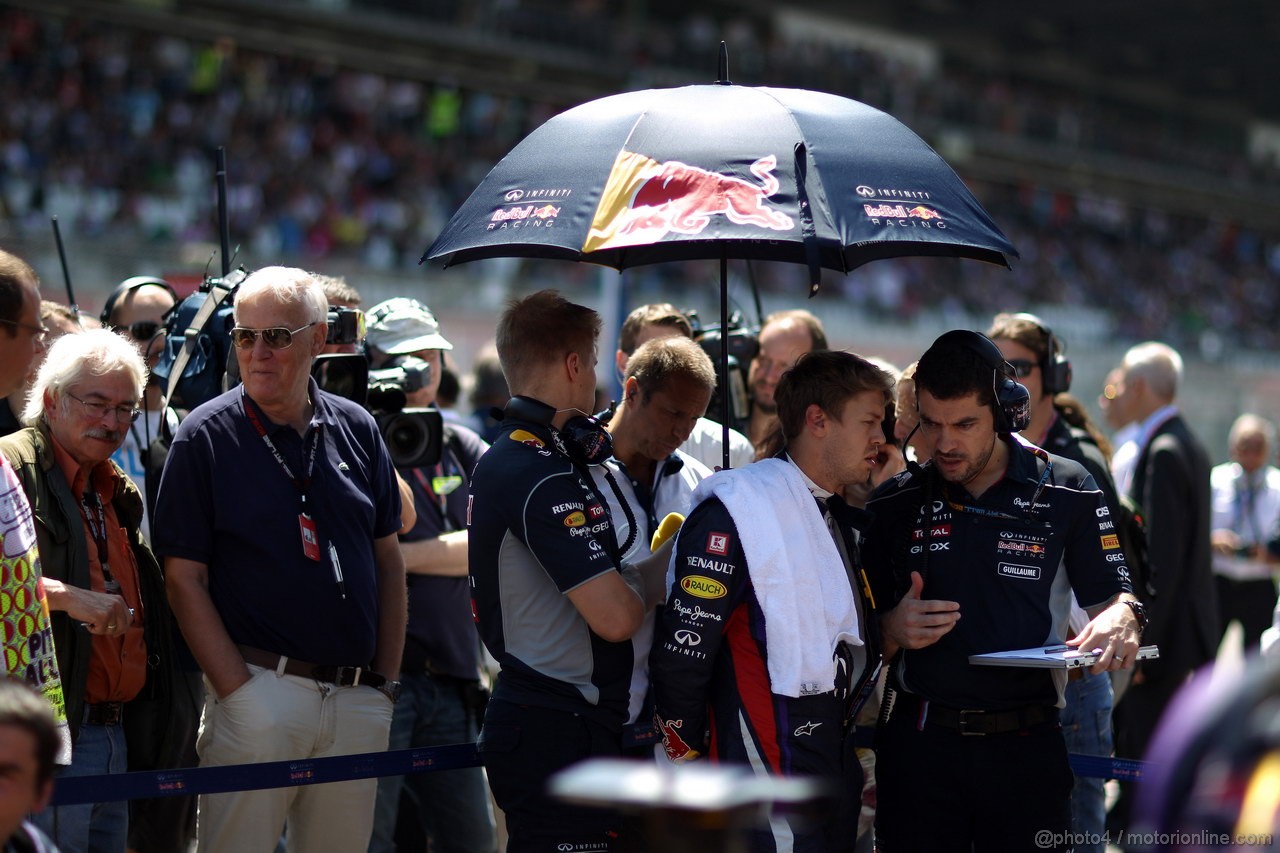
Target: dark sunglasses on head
1021,367
277,337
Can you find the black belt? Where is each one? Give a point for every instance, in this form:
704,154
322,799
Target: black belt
342,676
978,722
417,660
103,713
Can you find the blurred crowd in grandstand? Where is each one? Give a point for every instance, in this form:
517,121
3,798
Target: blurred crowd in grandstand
112,129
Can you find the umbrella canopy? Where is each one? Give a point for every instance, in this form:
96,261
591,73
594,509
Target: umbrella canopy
722,171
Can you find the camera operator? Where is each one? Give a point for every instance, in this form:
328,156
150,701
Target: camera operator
136,309
784,337
348,339
664,320
441,667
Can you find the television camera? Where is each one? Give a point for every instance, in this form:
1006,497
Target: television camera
743,343
414,436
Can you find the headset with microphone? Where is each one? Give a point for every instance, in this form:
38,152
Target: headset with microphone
1011,406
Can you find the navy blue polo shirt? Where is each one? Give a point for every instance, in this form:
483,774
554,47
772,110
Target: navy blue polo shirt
225,501
1010,559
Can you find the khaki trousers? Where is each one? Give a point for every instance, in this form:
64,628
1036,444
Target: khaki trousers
279,718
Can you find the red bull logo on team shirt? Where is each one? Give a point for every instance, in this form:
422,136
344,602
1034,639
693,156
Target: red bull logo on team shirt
675,746
645,200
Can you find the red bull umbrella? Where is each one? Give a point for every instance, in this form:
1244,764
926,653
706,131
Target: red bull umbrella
722,171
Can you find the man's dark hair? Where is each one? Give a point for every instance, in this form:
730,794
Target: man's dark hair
541,329
828,378
817,334
950,370
15,276
23,708
654,314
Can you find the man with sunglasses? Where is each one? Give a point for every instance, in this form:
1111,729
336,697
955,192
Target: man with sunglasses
975,552
138,312
277,517
110,618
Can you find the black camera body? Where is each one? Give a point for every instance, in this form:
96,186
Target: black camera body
414,436
345,326
743,343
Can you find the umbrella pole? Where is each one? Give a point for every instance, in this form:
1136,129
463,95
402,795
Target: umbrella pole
725,388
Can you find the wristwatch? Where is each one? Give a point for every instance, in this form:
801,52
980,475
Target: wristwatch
1139,612
391,689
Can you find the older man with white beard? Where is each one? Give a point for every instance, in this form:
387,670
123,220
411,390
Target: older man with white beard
110,616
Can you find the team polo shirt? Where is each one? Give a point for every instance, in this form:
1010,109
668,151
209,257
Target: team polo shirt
226,502
539,530
1010,559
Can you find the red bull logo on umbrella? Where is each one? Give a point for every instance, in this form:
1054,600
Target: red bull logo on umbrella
536,215
645,200
900,214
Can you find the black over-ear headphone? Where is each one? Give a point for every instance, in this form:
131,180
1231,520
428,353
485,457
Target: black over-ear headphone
1012,405
129,285
1055,370
585,439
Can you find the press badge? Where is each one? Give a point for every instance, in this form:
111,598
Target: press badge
310,544
445,485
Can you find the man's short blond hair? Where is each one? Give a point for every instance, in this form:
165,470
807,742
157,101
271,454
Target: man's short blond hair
656,362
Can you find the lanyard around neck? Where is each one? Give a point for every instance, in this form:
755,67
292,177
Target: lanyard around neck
302,484
95,516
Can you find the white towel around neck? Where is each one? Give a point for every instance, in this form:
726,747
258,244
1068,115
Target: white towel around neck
799,578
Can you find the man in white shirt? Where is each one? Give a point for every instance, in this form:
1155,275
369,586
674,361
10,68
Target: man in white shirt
669,382
706,442
1246,508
